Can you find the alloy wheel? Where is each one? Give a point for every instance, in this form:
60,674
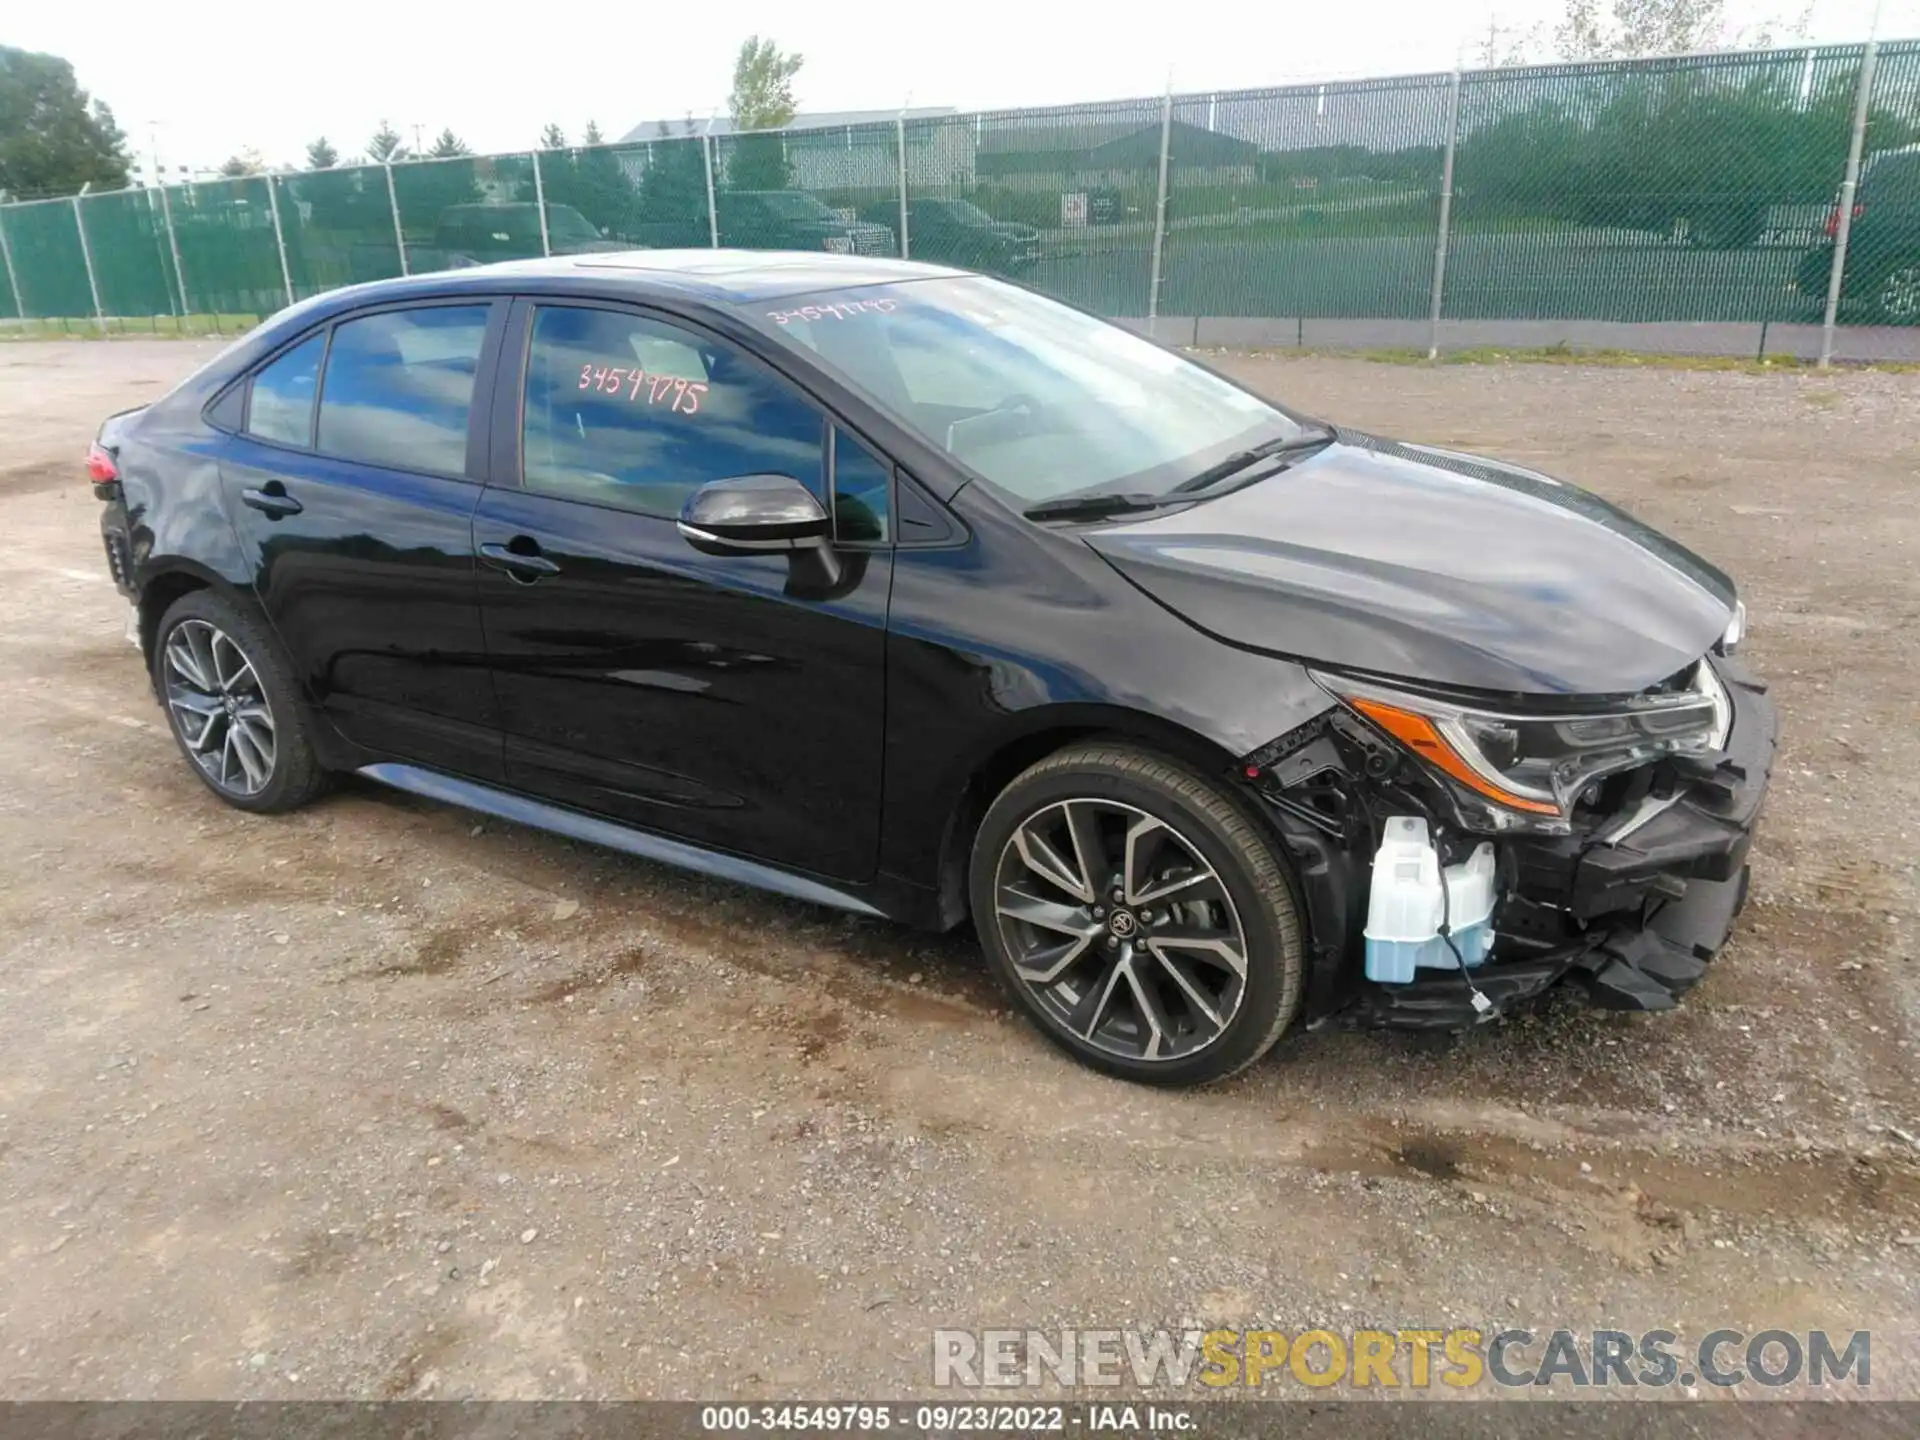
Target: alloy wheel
218,708
1120,929
1900,295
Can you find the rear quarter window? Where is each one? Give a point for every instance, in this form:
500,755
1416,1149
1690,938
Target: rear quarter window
280,399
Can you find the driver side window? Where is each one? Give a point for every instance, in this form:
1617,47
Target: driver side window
637,414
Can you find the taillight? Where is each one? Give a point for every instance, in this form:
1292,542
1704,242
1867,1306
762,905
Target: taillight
1833,220
100,467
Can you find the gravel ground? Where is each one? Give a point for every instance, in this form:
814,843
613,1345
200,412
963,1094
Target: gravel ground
377,1100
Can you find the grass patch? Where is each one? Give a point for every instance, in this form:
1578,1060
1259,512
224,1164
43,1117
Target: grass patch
1401,220
1614,359
1571,355
142,327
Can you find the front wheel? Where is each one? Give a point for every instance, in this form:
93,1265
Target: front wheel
1137,915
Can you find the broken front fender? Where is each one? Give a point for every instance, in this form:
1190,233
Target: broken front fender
1632,907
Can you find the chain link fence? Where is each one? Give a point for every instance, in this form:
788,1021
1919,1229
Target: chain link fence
1319,200
1700,188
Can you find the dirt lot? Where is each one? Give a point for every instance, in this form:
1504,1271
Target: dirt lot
377,1100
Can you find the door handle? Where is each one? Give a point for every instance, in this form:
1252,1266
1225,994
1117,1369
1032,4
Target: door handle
520,558
271,500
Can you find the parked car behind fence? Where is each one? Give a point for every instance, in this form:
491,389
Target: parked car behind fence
1883,242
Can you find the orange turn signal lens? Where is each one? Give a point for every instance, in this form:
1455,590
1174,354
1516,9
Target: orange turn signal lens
1416,732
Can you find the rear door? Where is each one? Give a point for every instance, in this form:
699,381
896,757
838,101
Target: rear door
353,484
705,697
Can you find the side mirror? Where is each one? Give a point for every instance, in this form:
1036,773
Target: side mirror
754,515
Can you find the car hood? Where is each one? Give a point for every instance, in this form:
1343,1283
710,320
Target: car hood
1406,561
831,226
1013,231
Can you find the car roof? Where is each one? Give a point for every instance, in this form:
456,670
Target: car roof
1890,162
721,277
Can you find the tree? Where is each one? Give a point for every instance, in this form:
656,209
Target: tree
243,162
673,189
762,96
762,99
759,162
53,137
446,145
1505,45
592,136
385,147
321,155
553,138
1651,149
1624,29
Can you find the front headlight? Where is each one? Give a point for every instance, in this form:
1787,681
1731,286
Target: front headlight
1533,767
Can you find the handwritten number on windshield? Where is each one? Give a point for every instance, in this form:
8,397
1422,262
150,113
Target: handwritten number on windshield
842,310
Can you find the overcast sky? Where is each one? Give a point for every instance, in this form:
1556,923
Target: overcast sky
205,78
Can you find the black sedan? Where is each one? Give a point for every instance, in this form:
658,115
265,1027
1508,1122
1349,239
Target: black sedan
911,592
958,232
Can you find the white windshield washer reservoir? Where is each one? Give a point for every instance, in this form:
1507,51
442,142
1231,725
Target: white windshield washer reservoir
1412,894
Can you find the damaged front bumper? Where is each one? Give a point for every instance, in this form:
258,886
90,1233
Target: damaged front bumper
1632,910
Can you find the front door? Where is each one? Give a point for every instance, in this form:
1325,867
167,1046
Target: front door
356,516
715,699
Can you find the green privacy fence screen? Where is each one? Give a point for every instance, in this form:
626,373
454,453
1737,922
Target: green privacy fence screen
1071,178
1665,190
1883,266
1314,201
44,259
474,209
1700,188
652,194
229,258
339,228
132,264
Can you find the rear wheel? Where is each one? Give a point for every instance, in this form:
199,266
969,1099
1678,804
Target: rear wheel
233,706
1137,915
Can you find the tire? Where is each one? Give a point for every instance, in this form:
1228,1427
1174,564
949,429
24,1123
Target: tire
1814,273
1896,294
223,684
1191,976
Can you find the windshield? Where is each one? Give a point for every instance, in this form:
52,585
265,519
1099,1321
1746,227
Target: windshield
795,205
964,210
566,223
1035,397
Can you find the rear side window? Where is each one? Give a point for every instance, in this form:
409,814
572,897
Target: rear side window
399,385
280,405
631,412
